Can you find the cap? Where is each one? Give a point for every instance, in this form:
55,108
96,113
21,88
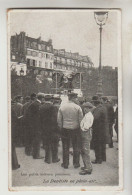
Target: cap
27,98
40,95
48,97
56,97
104,98
18,97
74,95
96,99
33,96
88,104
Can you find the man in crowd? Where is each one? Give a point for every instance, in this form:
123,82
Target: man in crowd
18,109
110,115
14,119
36,125
116,121
28,124
69,118
49,130
86,135
101,135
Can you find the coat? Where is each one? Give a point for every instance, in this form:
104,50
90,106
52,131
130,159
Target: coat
47,119
34,117
110,112
100,125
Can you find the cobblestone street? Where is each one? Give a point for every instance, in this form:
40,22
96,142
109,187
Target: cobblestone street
38,173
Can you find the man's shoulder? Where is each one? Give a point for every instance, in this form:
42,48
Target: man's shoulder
19,104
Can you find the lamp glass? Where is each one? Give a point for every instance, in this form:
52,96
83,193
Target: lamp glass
101,17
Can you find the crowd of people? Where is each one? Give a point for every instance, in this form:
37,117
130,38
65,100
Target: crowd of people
43,121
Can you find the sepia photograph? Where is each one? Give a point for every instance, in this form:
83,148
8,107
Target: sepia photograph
64,99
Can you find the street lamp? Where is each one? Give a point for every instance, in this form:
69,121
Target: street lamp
21,75
100,18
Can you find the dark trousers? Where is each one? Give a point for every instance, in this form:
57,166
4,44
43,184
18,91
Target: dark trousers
100,151
51,149
19,133
74,136
15,164
28,140
36,145
116,129
111,135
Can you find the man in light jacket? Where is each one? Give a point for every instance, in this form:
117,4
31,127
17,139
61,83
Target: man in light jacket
69,117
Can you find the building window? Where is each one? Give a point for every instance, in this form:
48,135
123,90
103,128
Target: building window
51,65
31,62
50,74
34,53
40,64
43,47
43,55
28,52
55,66
55,59
34,63
46,55
28,62
40,55
46,73
46,64
42,72
39,46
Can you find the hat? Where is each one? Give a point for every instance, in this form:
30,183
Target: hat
56,97
74,95
48,97
96,99
104,98
40,95
27,98
88,104
33,96
18,97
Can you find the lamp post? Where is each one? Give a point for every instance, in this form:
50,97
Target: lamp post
21,76
100,18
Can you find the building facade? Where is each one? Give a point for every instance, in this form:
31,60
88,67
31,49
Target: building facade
40,61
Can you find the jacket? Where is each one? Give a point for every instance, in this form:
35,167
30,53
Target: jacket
34,119
69,116
100,125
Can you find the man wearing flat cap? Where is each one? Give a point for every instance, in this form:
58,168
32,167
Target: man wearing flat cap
101,135
49,131
86,135
69,118
36,125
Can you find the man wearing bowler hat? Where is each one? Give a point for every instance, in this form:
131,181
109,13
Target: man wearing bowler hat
28,124
101,135
110,114
49,130
36,125
69,118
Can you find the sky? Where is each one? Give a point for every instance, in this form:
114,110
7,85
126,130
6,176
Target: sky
72,30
